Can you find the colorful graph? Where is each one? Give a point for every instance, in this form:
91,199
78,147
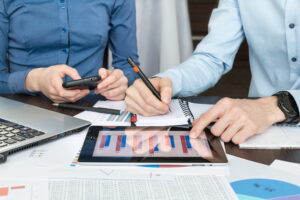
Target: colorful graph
5,191
123,117
150,145
265,189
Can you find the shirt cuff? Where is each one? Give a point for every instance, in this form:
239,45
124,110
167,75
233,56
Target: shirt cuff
16,82
296,95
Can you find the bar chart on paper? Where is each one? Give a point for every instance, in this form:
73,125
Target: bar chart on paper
9,192
151,145
14,190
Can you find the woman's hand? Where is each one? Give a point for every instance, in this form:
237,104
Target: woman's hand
113,85
49,82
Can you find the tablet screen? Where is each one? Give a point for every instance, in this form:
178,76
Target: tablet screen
150,144
154,143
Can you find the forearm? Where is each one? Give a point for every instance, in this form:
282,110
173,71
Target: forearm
13,83
197,74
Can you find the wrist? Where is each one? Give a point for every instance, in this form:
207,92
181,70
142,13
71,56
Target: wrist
32,80
274,113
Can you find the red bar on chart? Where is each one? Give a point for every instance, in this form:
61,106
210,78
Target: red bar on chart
183,143
102,143
135,143
151,145
18,187
118,146
167,139
3,192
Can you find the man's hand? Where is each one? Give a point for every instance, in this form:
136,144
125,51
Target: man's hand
49,82
239,119
140,100
113,85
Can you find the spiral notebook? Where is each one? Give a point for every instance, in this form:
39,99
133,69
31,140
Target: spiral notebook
182,113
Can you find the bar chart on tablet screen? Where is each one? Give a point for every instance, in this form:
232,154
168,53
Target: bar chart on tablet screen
177,144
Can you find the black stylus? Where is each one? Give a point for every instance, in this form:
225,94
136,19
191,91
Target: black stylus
92,109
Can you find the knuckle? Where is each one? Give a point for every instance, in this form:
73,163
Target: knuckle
52,91
119,72
235,140
215,131
61,93
225,138
226,101
137,82
72,99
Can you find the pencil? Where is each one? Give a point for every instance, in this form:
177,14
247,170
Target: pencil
92,109
144,78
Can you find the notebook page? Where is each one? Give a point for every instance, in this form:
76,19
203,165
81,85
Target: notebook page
173,118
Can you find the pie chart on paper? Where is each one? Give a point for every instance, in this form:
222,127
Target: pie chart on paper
265,189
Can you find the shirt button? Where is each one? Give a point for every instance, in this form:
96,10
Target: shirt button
65,50
292,25
63,7
64,30
294,59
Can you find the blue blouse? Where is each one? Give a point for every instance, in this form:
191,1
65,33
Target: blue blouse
42,33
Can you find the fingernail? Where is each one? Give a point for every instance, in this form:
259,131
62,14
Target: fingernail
166,99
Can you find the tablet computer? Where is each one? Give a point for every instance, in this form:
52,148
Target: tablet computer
150,146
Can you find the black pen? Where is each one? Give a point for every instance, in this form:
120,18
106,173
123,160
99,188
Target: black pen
144,78
92,109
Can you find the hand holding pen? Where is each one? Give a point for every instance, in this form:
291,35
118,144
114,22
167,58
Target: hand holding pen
148,98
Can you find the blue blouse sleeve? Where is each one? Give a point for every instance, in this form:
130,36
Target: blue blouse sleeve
9,82
123,41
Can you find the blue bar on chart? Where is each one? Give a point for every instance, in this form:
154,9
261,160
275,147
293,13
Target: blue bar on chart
172,141
123,143
156,143
188,142
107,141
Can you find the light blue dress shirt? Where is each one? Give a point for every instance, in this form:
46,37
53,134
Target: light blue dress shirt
272,30
42,33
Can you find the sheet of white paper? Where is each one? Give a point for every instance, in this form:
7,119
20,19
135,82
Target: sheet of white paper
23,190
174,117
99,119
241,169
275,138
199,109
289,167
156,187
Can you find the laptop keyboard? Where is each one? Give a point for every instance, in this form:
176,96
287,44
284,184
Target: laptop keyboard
12,133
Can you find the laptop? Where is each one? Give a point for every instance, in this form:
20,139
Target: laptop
23,126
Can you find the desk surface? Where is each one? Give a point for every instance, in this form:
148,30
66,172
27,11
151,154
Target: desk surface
261,156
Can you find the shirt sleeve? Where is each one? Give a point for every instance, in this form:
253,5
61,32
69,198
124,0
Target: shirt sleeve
9,82
123,41
214,56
